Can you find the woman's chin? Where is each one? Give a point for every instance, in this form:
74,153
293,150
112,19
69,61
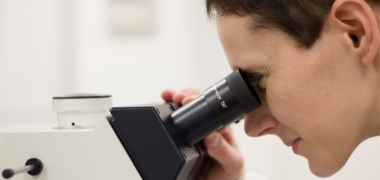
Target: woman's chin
324,170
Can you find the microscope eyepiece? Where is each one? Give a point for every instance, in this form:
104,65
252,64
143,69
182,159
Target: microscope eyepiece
223,103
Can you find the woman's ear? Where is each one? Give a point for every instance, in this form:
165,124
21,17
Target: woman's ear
357,21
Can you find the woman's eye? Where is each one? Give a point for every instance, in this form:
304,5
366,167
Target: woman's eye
255,81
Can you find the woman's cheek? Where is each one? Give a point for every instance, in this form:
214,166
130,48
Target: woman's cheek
275,98
282,103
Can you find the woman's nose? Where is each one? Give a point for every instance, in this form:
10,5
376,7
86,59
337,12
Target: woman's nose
260,122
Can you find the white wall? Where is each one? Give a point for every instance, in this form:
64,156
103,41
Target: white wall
33,61
178,53
50,48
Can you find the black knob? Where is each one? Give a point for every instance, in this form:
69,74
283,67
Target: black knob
33,166
8,173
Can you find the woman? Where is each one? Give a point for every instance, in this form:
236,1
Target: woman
317,64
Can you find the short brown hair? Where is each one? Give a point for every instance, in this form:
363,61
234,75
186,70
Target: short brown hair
303,20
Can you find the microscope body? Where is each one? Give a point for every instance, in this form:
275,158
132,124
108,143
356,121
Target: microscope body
135,143
67,154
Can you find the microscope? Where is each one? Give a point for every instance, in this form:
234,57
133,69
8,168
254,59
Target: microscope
93,140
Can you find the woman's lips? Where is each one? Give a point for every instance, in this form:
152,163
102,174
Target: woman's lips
294,144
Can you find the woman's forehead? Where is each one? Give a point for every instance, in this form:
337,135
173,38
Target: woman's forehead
247,50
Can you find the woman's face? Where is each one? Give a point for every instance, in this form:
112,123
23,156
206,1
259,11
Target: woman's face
313,99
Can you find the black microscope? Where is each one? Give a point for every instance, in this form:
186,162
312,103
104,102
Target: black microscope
165,142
